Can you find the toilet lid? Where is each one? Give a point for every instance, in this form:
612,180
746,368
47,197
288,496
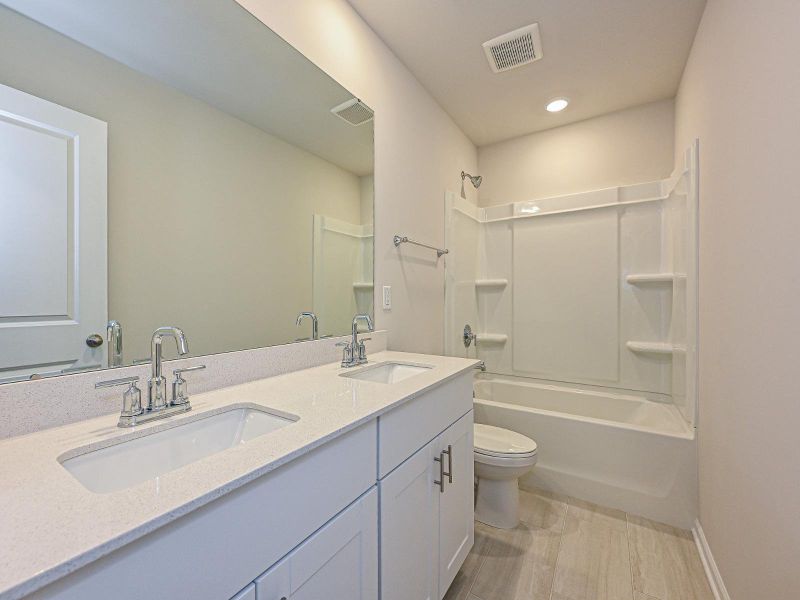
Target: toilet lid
495,441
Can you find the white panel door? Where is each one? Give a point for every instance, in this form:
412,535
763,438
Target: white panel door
566,296
52,235
409,522
339,561
456,503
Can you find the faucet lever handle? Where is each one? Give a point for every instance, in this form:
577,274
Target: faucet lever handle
362,350
131,398
115,382
180,389
188,369
347,353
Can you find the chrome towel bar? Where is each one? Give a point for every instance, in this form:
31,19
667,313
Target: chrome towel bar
404,240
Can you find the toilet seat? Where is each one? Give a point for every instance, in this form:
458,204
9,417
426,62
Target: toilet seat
496,442
509,463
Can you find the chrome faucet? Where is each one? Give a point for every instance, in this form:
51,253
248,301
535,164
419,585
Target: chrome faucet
133,413
114,336
157,387
355,353
314,323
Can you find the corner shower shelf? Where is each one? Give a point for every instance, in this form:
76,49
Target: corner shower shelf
363,285
654,348
490,283
492,338
638,278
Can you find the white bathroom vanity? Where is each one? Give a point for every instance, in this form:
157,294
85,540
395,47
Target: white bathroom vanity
306,485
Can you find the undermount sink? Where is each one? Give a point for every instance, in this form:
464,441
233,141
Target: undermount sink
388,372
144,458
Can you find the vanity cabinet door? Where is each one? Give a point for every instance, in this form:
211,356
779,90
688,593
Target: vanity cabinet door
339,561
456,504
409,517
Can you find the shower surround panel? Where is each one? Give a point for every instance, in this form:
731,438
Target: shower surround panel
585,312
593,288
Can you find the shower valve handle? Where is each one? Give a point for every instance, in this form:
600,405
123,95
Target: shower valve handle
469,337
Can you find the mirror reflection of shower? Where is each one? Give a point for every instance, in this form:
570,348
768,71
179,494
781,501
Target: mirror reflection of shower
474,179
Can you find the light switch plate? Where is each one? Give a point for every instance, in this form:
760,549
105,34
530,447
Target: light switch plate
387,297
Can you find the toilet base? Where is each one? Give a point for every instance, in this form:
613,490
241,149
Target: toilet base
497,503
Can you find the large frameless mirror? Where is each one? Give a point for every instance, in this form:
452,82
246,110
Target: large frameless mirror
172,163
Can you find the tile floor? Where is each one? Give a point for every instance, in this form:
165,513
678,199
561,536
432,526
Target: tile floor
567,549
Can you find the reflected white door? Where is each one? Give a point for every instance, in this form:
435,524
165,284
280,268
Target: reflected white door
53,186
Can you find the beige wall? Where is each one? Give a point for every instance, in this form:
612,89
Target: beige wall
192,191
620,148
740,95
419,154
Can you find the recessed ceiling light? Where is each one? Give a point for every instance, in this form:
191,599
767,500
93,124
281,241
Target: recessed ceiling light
557,105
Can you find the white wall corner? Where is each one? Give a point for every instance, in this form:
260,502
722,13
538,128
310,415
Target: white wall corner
709,564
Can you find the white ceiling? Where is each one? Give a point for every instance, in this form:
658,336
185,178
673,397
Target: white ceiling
216,51
604,55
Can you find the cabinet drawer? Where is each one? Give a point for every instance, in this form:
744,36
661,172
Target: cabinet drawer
409,427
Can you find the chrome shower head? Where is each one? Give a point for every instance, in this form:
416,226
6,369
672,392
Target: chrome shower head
475,179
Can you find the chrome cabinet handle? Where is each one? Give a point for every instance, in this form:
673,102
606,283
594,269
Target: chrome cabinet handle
449,471
440,482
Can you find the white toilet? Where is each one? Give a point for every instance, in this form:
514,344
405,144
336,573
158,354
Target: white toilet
501,458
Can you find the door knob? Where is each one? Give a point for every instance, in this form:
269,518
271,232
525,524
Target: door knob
94,341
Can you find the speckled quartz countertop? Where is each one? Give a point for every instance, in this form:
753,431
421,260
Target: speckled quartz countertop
50,525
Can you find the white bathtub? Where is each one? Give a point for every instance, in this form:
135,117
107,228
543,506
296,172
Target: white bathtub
615,448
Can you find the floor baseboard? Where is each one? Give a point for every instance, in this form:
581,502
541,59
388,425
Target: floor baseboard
709,564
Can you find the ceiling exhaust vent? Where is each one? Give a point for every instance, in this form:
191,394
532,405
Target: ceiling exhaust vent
514,49
354,112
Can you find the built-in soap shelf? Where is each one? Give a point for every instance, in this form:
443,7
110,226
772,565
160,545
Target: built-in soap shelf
491,338
645,278
654,348
490,283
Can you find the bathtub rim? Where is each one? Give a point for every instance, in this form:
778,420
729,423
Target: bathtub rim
600,390
688,432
